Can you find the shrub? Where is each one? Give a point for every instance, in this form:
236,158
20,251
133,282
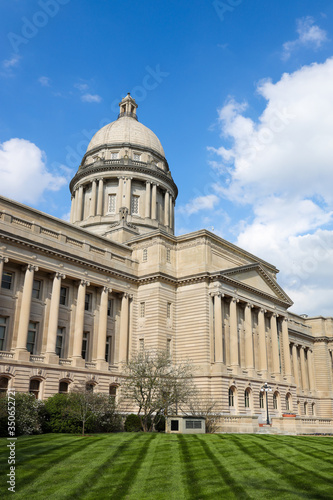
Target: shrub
159,423
59,418
30,414
133,423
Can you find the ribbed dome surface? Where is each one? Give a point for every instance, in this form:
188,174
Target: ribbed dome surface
126,130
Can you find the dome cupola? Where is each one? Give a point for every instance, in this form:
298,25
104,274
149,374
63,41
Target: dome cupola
123,186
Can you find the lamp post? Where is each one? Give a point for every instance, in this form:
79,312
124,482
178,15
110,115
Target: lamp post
266,388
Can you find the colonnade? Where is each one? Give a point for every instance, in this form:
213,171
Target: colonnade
123,199
53,319
228,335
303,367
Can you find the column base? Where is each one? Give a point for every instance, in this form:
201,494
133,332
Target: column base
78,362
22,355
102,365
51,358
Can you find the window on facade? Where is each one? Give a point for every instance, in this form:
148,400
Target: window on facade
231,397
275,401
89,387
305,408
63,295
113,391
142,309
313,407
168,255
192,424
112,204
85,342
114,156
3,328
141,345
144,255
169,347
7,280
168,310
261,400
34,387
60,341
135,205
87,302
37,289
247,398
111,307
32,337
3,385
63,387
174,425
108,349
136,157
288,402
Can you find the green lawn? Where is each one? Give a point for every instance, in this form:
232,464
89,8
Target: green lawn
170,467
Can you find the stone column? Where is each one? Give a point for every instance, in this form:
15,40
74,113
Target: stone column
79,206
79,324
153,201
218,340
148,199
128,194
262,341
170,211
100,197
92,208
303,368
124,322
101,364
51,356
23,326
75,203
3,260
295,363
71,218
275,345
166,208
233,340
248,336
120,194
286,349
312,377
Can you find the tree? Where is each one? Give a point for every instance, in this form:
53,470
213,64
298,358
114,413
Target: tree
205,408
156,385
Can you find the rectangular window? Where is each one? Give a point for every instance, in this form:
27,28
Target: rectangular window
37,289
3,328
168,255
193,424
7,280
136,157
111,308
87,302
141,345
168,310
85,345
261,400
144,255
108,349
32,337
112,204
142,309
135,205
114,156
174,425
169,347
63,295
60,341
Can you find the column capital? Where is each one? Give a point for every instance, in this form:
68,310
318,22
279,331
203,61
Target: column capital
4,259
249,305
84,283
264,311
106,289
60,276
148,182
30,267
234,299
216,294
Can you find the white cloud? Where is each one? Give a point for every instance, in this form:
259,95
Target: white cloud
81,86
280,168
45,81
91,98
198,204
309,35
10,63
23,172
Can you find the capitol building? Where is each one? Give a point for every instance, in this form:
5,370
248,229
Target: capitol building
77,298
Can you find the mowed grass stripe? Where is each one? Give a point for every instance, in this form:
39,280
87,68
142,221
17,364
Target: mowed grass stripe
161,476
306,445
299,478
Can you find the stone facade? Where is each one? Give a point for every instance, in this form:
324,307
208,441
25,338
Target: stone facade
78,298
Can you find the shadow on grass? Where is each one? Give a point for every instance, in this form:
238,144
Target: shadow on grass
192,482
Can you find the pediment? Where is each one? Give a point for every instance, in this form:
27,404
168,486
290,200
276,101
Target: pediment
255,277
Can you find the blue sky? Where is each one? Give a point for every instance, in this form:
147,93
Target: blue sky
239,93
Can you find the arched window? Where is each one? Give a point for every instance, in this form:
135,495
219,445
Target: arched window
231,396
3,385
90,387
261,400
276,400
305,408
313,406
113,391
247,398
34,387
63,387
288,402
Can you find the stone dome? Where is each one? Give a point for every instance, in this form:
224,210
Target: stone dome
126,130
